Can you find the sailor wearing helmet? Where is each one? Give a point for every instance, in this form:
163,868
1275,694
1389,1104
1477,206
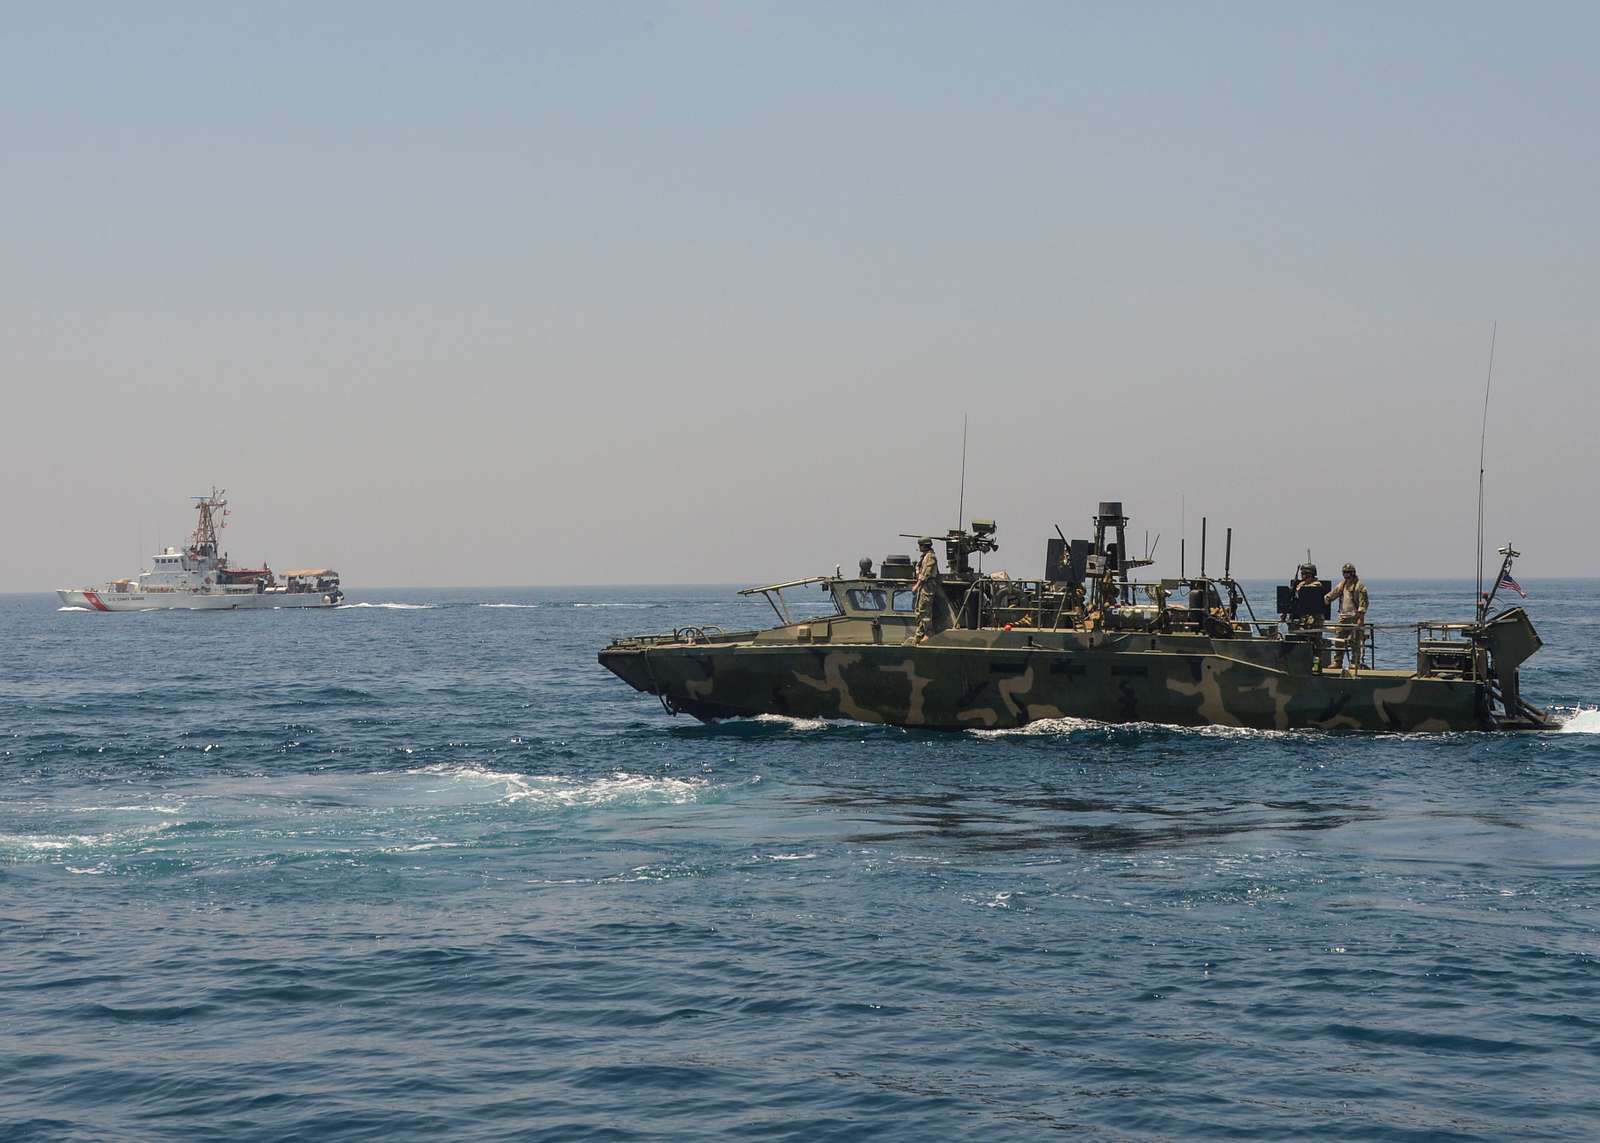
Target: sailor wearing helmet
927,582
1352,596
1308,607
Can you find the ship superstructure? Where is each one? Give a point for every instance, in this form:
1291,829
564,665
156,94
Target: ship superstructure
200,577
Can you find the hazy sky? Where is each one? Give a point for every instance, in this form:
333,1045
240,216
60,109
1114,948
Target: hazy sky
573,293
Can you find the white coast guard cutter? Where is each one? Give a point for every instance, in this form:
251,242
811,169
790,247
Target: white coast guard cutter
199,578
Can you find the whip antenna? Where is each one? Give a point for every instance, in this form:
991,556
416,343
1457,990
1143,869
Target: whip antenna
961,502
1483,438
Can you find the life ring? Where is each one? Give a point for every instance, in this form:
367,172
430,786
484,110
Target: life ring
328,599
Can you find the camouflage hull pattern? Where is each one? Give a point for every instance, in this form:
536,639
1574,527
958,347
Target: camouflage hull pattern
1084,641
987,679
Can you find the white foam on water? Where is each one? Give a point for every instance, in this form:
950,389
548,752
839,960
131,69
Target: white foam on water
23,841
1225,731
1043,726
792,723
1580,721
389,606
618,789
467,772
993,901
332,815
1052,727
790,856
557,791
69,608
616,605
515,605
40,845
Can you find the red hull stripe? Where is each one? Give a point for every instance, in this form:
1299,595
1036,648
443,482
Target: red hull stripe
94,601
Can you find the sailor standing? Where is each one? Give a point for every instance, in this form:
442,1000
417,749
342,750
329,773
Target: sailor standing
927,582
1352,596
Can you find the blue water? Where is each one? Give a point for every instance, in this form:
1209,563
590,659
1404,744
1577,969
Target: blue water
425,871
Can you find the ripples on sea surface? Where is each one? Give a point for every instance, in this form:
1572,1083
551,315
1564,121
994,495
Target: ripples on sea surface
421,869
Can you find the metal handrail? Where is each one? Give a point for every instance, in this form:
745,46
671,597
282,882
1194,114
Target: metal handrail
1043,604
782,586
773,593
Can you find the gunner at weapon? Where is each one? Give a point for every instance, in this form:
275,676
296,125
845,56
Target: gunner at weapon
926,583
1352,596
1308,595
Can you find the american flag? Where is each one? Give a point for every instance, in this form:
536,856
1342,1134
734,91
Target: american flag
1507,581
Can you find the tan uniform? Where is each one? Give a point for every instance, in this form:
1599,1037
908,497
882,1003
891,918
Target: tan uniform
927,583
1352,597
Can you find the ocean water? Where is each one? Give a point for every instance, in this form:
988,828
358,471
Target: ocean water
418,868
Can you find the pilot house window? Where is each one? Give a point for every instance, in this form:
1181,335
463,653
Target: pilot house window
866,598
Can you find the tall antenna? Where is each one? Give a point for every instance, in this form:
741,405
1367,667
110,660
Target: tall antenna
961,503
1483,438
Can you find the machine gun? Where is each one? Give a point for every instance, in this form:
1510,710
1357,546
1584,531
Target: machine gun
960,544
1304,603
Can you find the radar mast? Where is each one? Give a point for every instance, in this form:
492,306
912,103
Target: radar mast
212,508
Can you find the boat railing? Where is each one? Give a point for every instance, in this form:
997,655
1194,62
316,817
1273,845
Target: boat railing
773,593
1444,649
1447,651
1135,606
1150,608
679,636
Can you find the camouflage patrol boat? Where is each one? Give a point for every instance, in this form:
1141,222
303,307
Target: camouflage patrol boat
1085,641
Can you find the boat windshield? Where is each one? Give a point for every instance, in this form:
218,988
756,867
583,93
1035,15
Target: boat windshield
867,598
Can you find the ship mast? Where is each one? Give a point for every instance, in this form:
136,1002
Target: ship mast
203,544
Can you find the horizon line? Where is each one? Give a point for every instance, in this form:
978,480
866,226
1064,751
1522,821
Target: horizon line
737,584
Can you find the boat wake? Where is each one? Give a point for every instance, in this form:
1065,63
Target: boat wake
43,846
519,606
69,608
389,606
557,792
767,725
349,818
1044,727
1579,720
792,723
1065,727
